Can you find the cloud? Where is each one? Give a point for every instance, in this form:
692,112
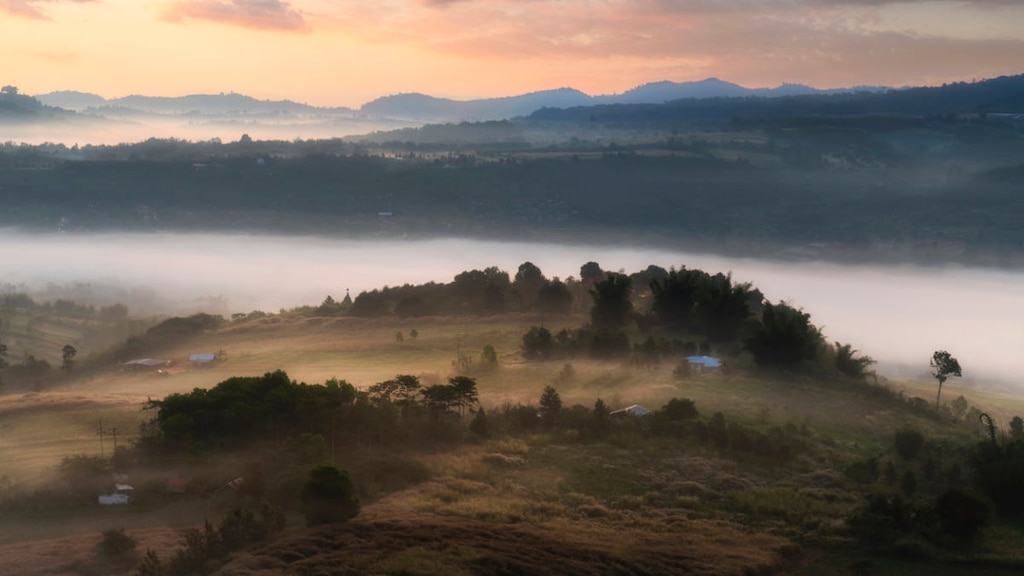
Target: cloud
255,14
30,8
821,42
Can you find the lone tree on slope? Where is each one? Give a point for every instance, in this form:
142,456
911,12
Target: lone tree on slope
945,365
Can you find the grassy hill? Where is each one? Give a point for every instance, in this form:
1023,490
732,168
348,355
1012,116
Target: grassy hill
636,502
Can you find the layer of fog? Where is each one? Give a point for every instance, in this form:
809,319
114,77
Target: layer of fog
898,315
226,129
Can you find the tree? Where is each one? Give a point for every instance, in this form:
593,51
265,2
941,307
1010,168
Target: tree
328,495
600,419
944,366
612,306
550,406
722,307
847,362
528,281
3,361
537,343
554,298
1017,428
680,409
591,273
785,337
675,297
464,392
68,357
489,356
479,427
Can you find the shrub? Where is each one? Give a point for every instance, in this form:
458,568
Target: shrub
961,514
328,495
863,471
116,543
680,409
908,443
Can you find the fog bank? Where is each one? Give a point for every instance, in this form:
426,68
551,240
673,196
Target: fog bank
898,315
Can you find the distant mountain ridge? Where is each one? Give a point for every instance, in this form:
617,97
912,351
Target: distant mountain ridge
436,109
417,106
208,104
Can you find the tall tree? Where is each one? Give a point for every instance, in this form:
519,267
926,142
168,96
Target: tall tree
591,273
528,281
3,362
68,354
550,406
944,366
785,337
554,298
722,307
675,297
464,392
612,306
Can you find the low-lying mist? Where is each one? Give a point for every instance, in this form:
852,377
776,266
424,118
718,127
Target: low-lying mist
128,129
898,315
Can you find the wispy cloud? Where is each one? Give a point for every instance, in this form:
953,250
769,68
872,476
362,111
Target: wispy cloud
255,14
31,8
825,42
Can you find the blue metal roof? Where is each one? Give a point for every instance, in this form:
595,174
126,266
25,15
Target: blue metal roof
706,361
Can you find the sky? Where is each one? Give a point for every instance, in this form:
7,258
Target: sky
348,52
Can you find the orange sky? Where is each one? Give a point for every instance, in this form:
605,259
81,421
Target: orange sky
347,52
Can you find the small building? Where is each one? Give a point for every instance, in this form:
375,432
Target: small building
113,499
634,410
703,363
144,364
202,359
121,495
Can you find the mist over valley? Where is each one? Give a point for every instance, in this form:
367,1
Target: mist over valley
886,311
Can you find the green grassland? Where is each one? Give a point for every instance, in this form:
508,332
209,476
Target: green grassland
534,503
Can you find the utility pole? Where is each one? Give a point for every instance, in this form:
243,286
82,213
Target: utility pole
101,432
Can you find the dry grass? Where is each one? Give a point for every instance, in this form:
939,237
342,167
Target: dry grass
76,555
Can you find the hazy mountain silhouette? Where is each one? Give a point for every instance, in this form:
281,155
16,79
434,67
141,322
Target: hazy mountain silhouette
20,107
195,104
422,106
998,95
72,100
412,106
657,102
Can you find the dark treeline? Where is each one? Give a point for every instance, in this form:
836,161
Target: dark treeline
647,315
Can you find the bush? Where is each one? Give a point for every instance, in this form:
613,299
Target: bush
116,543
680,409
961,514
329,496
908,443
537,343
